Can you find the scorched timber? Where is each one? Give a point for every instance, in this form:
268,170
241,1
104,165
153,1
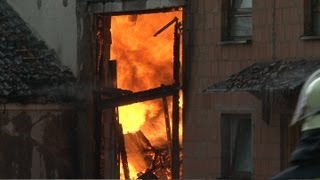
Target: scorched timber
163,91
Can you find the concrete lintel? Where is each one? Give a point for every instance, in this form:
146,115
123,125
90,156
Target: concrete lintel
133,5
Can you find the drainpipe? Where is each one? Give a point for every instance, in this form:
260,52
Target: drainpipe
274,34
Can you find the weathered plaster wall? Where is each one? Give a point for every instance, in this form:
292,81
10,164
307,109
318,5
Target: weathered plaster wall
54,22
37,141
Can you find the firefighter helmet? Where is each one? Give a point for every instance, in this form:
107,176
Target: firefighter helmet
308,107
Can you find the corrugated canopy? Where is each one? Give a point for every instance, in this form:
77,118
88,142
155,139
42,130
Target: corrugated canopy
279,75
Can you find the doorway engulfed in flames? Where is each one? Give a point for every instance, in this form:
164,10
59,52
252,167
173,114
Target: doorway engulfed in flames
144,62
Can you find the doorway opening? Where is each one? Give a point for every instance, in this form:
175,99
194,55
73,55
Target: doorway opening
139,69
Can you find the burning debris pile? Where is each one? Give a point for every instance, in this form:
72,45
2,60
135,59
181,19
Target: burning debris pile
28,68
157,158
269,75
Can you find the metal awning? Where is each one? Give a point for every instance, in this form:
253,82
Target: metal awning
267,80
265,76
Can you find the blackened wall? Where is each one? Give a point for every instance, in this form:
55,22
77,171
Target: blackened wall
38,141
87,77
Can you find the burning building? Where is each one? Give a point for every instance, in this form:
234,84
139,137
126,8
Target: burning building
126,56
136,61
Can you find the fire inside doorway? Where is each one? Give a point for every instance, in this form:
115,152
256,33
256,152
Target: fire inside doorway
145,53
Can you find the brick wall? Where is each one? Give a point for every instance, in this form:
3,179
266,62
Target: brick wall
277,27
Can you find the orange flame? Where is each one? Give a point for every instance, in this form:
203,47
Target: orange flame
144,62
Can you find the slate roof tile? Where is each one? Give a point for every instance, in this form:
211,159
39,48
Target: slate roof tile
27,65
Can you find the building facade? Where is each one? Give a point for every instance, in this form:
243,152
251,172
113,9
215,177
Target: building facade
222,38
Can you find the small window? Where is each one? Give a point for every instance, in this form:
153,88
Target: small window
312,17
238,19
236,138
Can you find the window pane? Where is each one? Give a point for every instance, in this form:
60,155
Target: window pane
241,26
316,23
234,125
242,4
243,153
237,146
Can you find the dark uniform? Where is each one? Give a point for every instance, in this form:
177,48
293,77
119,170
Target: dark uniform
305,159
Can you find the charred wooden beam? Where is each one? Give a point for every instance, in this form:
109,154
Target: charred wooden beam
106,120
144,139
113,150
174,20
99,128
141,96
167,121
175,152
148,175
114,92
111,74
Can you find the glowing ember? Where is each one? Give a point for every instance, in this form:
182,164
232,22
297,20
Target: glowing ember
144,62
